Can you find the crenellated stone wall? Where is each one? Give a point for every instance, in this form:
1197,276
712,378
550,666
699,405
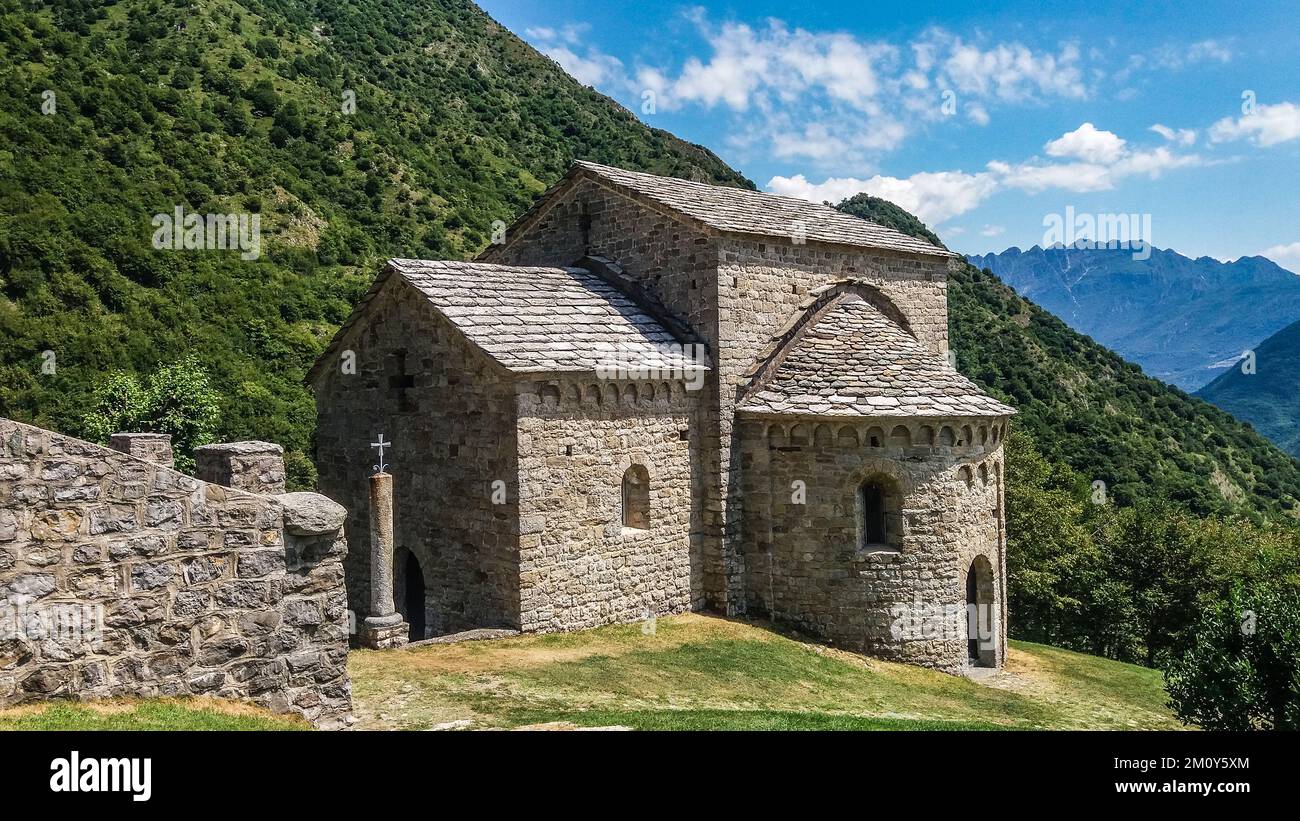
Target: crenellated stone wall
579,565
257,467
122,577
807,567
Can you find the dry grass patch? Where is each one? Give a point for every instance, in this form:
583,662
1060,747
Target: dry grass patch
702,672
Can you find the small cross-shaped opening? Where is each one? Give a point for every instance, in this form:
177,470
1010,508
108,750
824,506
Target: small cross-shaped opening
400,382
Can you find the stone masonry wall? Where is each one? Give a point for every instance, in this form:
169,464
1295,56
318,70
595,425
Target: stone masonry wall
122,577
674,262
449,413
763,285
579,566
805,566
736,293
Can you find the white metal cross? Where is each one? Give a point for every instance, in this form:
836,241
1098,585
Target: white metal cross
381,444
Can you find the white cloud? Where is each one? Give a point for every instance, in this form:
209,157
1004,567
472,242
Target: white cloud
1267,126
1180,56
571,34
1288,256
596,69
1152,163
1089,144
756,67
1215,50
1006,71
839,99
938,196
932,197
1181,136
1034,176
1081,177
992,230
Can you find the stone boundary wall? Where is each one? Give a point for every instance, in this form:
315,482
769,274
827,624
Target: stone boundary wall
122,577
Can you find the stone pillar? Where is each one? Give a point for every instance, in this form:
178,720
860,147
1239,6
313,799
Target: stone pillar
257,467
152,447
384,627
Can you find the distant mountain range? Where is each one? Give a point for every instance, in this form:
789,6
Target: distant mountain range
1268,398
1183,320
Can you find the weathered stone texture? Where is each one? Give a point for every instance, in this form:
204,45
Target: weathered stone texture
736,293
175,586
449,413
676,263
151,447
806,565
257,467
579,565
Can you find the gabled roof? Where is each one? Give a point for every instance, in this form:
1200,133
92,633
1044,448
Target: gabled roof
538,320
857,362
736,210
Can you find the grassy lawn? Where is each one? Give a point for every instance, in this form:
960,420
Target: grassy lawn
150,714
699,672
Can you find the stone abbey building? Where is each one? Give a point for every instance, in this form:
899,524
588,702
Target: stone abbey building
656,396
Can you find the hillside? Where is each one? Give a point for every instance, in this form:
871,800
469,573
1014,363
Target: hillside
241,108
1181,319
230,108
1269,398
1086,407
696,672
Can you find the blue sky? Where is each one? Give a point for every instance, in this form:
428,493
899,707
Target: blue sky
983,122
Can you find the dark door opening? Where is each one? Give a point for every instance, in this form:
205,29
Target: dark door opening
414,599
972,600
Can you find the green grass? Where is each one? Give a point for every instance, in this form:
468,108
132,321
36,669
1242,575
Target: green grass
741,720
153,714
698,673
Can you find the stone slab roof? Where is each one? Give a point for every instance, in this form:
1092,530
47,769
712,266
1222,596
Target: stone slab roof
538,320
737,210
856,362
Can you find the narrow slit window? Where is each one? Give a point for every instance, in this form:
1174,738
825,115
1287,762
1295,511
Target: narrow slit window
636,498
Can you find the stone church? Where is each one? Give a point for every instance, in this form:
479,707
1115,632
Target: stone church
654,395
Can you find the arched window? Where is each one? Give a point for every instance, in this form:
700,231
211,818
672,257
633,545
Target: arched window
636,498
878,520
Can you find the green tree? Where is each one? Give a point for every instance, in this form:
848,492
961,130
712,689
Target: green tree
1050,554
182,402
118,404
177,399
1243,670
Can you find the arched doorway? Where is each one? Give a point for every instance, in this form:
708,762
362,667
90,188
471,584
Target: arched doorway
981,616
413,596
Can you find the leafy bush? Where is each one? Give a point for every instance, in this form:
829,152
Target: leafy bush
1242,672
177,399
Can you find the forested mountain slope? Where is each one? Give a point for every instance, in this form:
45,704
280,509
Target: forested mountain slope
354,129
1265,392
